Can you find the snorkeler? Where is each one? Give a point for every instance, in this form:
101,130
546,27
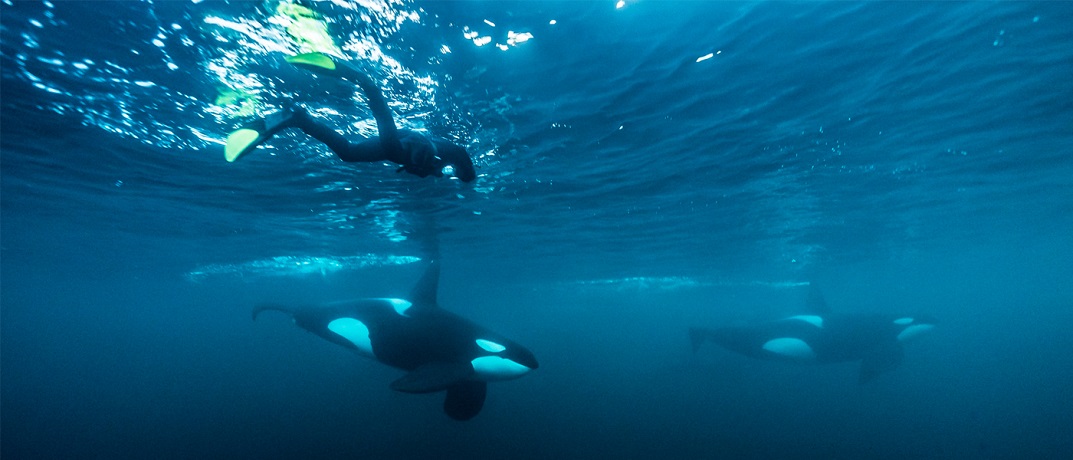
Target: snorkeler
416,153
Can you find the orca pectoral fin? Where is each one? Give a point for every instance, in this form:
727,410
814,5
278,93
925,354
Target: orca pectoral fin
697,336
266,307
879,361
465,400
433,377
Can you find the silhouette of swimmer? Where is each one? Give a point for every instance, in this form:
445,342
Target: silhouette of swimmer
416,153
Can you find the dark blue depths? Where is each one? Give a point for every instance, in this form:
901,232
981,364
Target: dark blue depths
643,169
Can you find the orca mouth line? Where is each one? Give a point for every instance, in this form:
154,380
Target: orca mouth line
260,308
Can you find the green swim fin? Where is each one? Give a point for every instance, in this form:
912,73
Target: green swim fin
242,141
247,138
317,62
327,65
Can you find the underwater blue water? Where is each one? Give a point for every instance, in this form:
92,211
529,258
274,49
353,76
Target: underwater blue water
645,167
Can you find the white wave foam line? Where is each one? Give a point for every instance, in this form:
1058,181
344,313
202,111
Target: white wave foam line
680,282
296,266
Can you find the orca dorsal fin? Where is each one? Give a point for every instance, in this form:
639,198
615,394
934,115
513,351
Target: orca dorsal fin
815,304
424,292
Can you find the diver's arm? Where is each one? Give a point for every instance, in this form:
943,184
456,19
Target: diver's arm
457,157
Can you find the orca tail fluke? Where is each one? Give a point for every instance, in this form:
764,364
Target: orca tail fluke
266,307
696,337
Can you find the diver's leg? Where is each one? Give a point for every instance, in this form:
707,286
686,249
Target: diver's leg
320,131
364,151
385,123
368,150
245,139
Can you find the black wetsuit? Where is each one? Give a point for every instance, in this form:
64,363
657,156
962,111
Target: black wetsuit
418,154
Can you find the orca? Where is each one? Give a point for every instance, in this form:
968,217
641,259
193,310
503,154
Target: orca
439,350
819,337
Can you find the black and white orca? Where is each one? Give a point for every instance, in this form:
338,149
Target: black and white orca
820,337
439,350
